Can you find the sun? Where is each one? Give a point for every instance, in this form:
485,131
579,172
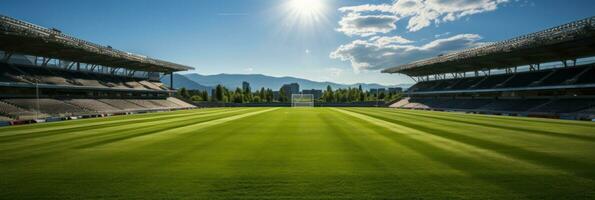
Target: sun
306,10
307,7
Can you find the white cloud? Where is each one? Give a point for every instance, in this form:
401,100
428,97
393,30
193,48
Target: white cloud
390,40
307,51
374,55
367,20
356,24
249,69
442,35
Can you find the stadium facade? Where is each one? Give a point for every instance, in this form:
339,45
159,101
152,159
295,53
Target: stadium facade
48,75
550,73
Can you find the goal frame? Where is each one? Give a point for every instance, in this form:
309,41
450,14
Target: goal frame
302,100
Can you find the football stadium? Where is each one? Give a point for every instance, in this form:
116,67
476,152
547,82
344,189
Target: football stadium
506,120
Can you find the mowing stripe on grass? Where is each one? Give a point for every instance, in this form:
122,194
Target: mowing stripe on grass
576,167
94,122
184,128
118,133
506,126
435,150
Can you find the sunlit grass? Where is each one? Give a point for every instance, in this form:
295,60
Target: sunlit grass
305,153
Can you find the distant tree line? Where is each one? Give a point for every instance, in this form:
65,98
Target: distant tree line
222,94
266,95
350,95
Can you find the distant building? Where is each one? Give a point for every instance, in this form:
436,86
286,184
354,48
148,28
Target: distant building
316,93
378,90
246,86
395,90
292,88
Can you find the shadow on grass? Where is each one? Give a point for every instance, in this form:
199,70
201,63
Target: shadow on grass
575,167
523,184
531,131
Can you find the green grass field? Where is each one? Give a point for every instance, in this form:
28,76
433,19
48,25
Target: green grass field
299,153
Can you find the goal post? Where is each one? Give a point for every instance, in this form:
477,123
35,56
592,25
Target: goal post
302,100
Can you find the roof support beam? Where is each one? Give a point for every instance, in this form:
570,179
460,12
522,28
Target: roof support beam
70,66
171,81
45,61
113,70
6,56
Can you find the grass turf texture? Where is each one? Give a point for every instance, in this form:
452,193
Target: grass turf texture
300,153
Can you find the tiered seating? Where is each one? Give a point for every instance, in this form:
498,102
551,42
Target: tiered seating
16,112
423,86
180,103
588,77
44,76
558,76
122,104
145,103
492,81
152,85
518,105
444,84
165,103
49,106
511,105
94,105
473,103
561,75
26,108
4,118
566,106
56,76
525,79
467,83
589,111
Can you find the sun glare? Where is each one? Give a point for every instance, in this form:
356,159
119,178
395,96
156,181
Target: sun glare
307,10
307,7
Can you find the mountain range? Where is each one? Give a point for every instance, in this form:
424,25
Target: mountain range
206,82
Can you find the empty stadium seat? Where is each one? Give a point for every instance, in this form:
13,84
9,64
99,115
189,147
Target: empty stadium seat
122,104
180,103
561,75
491,81
566,106
524,79
49,106
588,77
519,105
94,105
5,118
15,112
58,76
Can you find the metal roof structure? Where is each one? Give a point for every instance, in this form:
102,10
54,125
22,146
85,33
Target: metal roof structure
18,36
566,42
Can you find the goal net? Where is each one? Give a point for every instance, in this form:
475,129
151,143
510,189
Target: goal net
302,100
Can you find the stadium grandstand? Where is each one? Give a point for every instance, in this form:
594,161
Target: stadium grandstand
550,73
47,75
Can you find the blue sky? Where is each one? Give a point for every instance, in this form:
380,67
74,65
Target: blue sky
341,41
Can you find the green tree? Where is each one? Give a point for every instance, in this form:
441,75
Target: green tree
238,96
219,96
184,93
328,95
282,97
196,98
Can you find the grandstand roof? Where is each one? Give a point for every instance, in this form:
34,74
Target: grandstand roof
566,42
22,37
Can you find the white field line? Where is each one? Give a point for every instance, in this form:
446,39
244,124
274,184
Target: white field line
200,125
446,144
52,128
